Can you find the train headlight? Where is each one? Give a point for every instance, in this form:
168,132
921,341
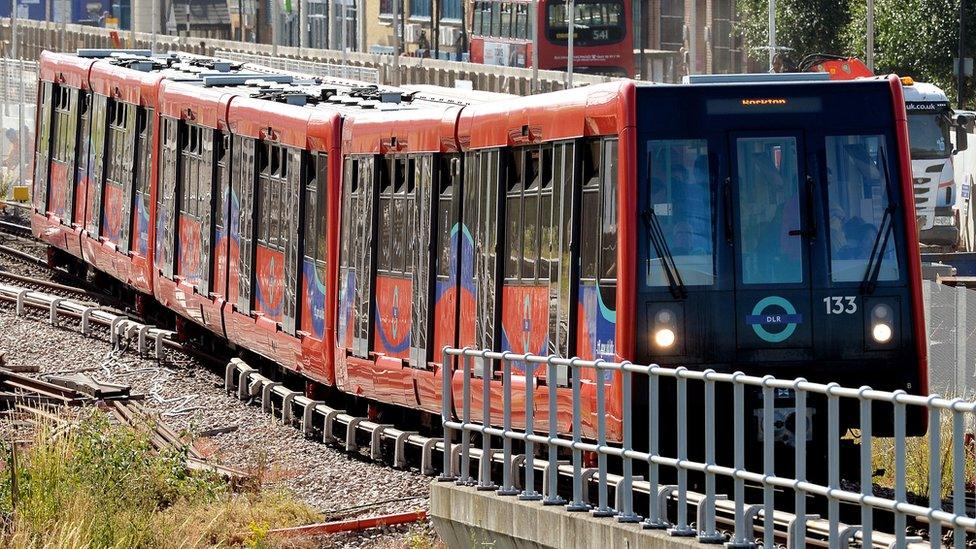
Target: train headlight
881,333
664,337
881,319
664,329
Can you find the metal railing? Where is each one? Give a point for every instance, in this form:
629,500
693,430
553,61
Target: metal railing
301,66
742,515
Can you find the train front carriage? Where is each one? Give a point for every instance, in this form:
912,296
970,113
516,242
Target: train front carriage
776,235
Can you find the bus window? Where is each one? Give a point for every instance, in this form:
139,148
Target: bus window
507,14
680,199
522,21
597,22
858,197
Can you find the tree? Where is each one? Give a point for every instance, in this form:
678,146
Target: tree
917,38
805,26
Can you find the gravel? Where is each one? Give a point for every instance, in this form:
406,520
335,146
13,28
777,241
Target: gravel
190,397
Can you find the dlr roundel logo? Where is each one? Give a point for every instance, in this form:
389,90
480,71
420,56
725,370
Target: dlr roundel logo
772,313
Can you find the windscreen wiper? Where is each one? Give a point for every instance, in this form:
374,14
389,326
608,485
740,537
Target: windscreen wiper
873,271
656,235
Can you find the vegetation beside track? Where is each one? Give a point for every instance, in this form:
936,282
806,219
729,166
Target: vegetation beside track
96,484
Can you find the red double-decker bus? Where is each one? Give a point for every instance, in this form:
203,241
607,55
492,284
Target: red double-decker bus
502,31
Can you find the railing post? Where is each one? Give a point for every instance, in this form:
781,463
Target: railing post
552,494
446,398
867,482
528,491
603,508
958,472
900,491
484,466
935,466
654,520
833,464
507,489
577,504
769,465
627,486
707,532
464,476
681,528
800,472
740,538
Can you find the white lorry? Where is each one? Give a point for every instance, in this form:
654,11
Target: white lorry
942,168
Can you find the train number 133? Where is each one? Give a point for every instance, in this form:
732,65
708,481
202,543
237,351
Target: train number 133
841,305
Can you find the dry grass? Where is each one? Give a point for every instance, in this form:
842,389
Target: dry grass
100,485
917,451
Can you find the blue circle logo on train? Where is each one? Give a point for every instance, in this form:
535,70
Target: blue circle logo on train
771,313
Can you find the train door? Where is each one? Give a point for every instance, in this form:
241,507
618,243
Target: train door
770,200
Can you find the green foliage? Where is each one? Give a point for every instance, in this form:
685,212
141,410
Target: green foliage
100,485
917,38
805,26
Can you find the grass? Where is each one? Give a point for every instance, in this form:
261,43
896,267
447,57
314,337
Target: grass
917,451
102,485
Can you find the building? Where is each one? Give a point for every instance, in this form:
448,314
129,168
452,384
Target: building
429,28
199,19
669,25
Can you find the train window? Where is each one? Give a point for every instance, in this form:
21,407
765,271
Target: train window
144,124
273,200
529,232
857,198
445,215
769,208
590,239
680,202
513,215
384,260
608,215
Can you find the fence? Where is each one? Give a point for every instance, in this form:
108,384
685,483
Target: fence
710,504
303,66
950,313
18,95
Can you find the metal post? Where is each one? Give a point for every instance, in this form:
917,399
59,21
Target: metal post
396,42
535,45
275,8
654,520
342,35
769,466
484,466
869,48
21,126
833,464
528,490
552,494
506,489
740,538
693,38
682,528
961,79
958,475
603,508
302,25
900,492
14,39
935,467
640,36
867,483
446,400
800,466
464,477
707,532
577,504
571,26
627,513
155,22
772,32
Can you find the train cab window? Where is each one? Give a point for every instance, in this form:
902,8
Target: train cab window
680,202
858,198
769,208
